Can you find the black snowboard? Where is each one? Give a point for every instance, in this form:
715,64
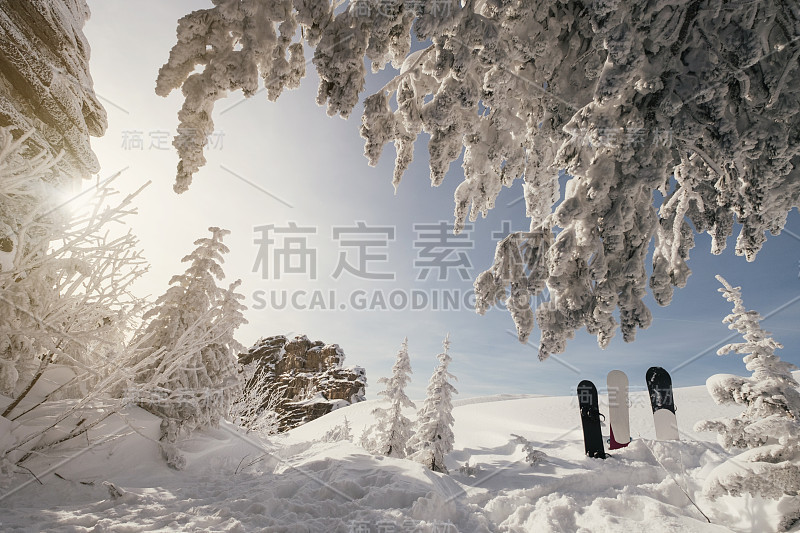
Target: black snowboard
590,419
659,383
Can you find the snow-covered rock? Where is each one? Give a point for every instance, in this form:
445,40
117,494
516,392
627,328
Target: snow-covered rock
45,82
312,375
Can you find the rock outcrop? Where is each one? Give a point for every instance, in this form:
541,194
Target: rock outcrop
311,374
45,83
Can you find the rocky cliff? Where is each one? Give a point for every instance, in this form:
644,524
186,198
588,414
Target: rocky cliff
45,83
312,374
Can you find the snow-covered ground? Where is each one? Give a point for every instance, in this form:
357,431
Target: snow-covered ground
297,482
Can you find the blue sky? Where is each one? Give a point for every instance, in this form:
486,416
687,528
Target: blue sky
272,163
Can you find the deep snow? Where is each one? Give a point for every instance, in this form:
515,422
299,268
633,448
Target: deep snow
297,483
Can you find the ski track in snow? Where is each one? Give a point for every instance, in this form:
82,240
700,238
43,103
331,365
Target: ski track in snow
295,483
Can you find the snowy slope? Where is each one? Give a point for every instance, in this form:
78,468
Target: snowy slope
298,483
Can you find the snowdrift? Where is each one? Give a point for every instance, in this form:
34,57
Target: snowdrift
116,480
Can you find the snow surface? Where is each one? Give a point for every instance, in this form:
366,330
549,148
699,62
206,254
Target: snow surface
297,483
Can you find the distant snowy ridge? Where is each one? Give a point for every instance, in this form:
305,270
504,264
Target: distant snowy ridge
494,398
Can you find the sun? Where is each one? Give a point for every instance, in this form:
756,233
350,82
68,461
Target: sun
82,197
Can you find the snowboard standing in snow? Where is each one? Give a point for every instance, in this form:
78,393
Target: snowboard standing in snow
659,384
590,419
618,415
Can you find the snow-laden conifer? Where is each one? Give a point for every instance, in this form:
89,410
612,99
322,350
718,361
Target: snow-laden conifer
433,436
770,424
392,430
193,374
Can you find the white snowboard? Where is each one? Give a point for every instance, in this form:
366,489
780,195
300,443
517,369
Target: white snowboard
666,425
619,417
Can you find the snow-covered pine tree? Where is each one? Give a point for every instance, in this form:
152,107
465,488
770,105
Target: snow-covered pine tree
769,394
392,430
694,100
193,323
433,437
770,424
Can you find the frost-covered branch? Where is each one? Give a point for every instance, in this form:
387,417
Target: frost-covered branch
695,100
65,271
258,407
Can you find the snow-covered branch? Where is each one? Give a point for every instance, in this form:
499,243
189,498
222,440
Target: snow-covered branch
65,272
694,100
